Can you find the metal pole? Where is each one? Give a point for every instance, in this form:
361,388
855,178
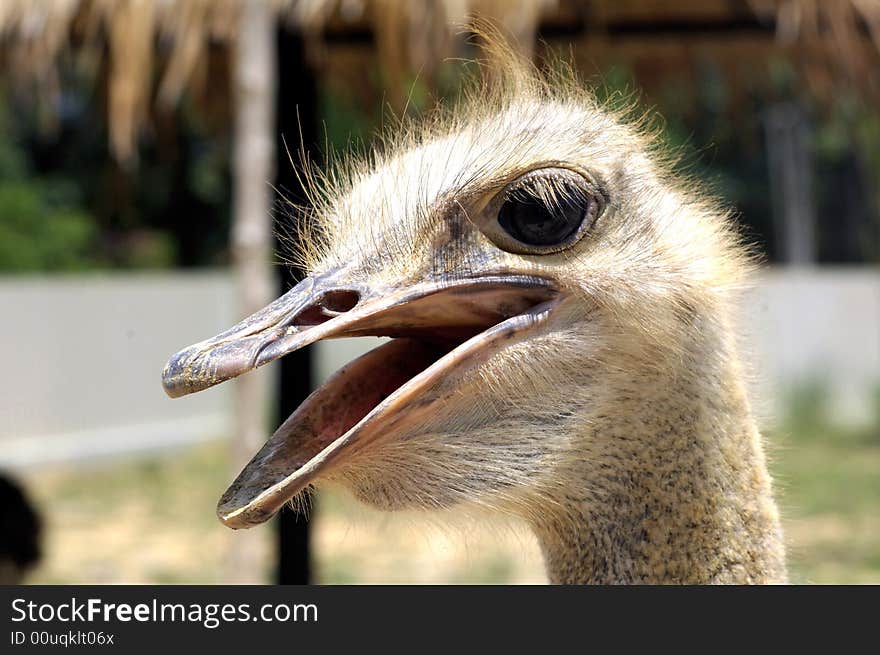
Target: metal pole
297,122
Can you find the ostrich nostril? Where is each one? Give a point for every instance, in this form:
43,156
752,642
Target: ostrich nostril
339,302
332,303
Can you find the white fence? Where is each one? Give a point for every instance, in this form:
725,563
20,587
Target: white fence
816,326
82,356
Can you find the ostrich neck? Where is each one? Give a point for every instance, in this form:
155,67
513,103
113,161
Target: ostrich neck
675,488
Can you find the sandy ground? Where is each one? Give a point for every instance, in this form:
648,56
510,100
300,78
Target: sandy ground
152,521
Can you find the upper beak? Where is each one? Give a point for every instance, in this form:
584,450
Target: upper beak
448,325
324,308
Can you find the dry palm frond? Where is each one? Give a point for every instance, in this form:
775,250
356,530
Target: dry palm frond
36,32
838,42
411,39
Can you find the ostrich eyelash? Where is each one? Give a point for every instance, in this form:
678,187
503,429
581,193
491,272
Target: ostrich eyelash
553,189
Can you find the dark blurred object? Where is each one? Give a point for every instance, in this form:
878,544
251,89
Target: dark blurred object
20,530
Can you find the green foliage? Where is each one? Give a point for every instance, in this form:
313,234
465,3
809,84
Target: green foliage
345,124
41,232
43,226
65,205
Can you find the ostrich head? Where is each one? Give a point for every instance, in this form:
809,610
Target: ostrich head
557,301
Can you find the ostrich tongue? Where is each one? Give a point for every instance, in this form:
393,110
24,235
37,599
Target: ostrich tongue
305,442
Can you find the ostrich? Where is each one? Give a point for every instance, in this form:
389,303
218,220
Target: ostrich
562,348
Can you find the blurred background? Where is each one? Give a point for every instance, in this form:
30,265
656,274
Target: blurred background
143,159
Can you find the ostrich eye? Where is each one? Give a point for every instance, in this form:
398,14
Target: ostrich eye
533,222
543,211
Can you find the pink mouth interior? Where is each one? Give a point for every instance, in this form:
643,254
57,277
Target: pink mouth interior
355,390
330,412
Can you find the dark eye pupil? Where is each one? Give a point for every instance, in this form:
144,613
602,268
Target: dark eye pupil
531,221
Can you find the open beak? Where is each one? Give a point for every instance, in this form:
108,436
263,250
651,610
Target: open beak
440,329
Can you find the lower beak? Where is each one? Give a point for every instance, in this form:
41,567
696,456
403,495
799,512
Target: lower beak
439,328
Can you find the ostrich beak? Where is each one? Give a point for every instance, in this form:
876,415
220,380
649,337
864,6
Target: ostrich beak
439,329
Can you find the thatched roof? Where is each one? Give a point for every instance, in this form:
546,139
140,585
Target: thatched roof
40,32
835,37
838,41
37,33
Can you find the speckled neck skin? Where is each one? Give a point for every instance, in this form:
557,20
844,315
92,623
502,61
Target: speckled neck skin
679,492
